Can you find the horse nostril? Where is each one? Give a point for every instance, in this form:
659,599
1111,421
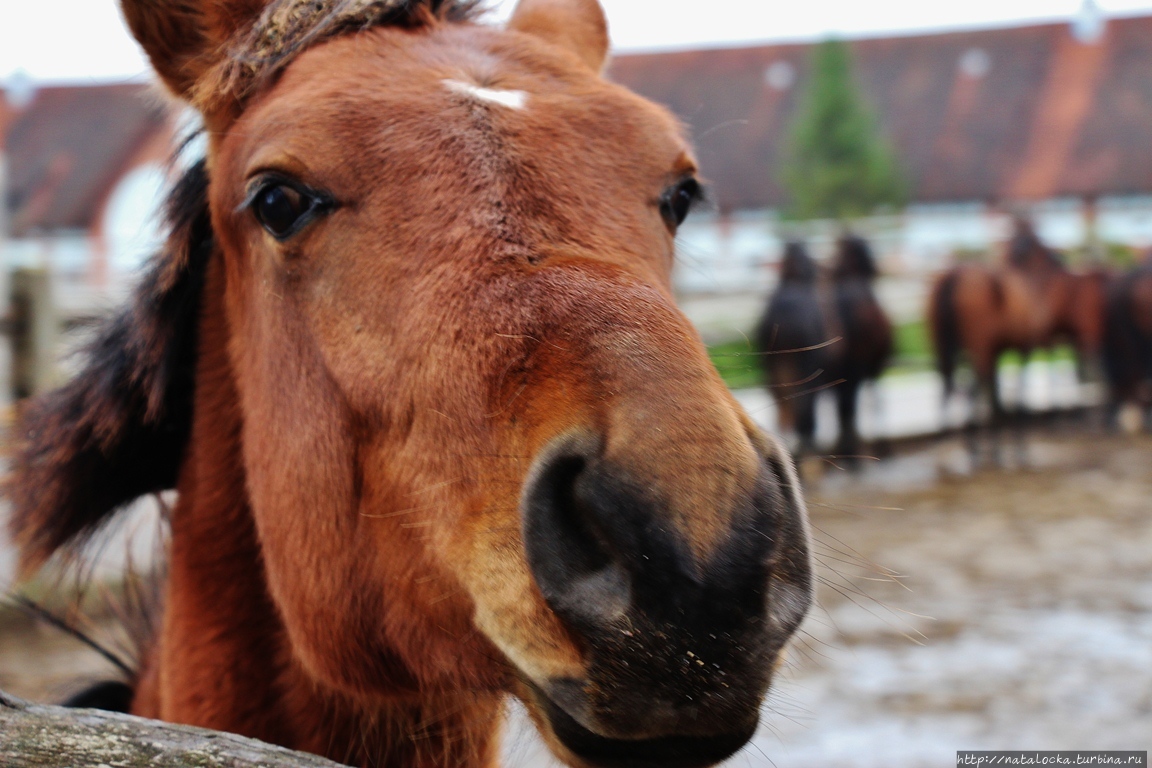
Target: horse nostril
568,554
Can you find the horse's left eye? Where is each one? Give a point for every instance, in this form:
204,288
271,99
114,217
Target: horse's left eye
678,200
283,209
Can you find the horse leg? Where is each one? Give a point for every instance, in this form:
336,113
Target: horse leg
848,445
804,409
997,415
983,429
785,413
977,416
881,443
1019,414
1146,411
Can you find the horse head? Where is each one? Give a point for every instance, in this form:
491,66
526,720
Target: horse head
420,339
1026,251
854,260
797,265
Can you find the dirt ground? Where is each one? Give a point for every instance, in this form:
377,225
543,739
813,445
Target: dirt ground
1005,609
1001,610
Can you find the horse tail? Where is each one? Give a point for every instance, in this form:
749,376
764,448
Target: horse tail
117,430
945,327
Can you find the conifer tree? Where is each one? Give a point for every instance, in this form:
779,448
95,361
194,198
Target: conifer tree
838,165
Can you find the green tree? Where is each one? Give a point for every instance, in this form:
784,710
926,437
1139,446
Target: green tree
838,165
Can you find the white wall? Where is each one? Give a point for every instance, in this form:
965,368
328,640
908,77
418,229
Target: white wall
133,224
735,254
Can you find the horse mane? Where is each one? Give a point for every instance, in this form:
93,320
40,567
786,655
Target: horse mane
854,259
287,27
117,430
1027,251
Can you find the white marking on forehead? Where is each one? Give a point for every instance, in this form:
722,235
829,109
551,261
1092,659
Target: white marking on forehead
510,99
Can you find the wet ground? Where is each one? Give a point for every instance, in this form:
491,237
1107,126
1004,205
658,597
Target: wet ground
1007,610
995,610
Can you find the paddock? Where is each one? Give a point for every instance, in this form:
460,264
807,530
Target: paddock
1022,615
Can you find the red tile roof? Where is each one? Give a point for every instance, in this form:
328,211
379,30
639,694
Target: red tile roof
1051,116
1032,112
68,149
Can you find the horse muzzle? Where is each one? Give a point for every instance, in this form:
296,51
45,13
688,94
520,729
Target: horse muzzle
670,751
679,645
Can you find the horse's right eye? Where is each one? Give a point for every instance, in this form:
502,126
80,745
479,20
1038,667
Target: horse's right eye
283,208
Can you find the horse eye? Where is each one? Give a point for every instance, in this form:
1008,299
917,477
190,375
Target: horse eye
283,209
678,200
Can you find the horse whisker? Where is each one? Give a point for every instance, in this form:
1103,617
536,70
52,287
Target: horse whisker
810,348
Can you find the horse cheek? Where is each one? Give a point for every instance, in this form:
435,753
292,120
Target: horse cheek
300,462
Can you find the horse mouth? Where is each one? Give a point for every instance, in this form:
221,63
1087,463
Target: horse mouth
675,751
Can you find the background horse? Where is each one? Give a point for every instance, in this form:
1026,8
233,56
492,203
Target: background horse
1128,342
1032,301
791,343
1068,306
1081,322
981,312
830,334
856,318
439,433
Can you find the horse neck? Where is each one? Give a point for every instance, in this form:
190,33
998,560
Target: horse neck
461,731
223,659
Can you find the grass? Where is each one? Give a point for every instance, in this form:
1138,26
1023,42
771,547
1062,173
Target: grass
737,363
739,366
913,348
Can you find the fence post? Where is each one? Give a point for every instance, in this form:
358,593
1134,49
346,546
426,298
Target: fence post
35,332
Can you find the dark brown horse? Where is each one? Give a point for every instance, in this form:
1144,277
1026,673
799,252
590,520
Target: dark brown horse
791,341
438,431
1128,342
824,334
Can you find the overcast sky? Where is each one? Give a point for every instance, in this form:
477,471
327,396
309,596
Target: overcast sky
84,40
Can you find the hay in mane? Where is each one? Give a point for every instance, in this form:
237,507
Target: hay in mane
287,28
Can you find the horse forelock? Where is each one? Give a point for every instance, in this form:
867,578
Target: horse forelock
118,429
288,27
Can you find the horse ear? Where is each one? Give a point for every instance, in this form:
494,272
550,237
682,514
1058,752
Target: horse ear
186,38
577,25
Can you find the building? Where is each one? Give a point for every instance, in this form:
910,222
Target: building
1054,119
86,167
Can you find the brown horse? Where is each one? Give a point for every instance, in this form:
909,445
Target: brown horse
439,433
1128,342
1081,322
1033,301
791,342
983,312
818,334
860,322
1069,306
